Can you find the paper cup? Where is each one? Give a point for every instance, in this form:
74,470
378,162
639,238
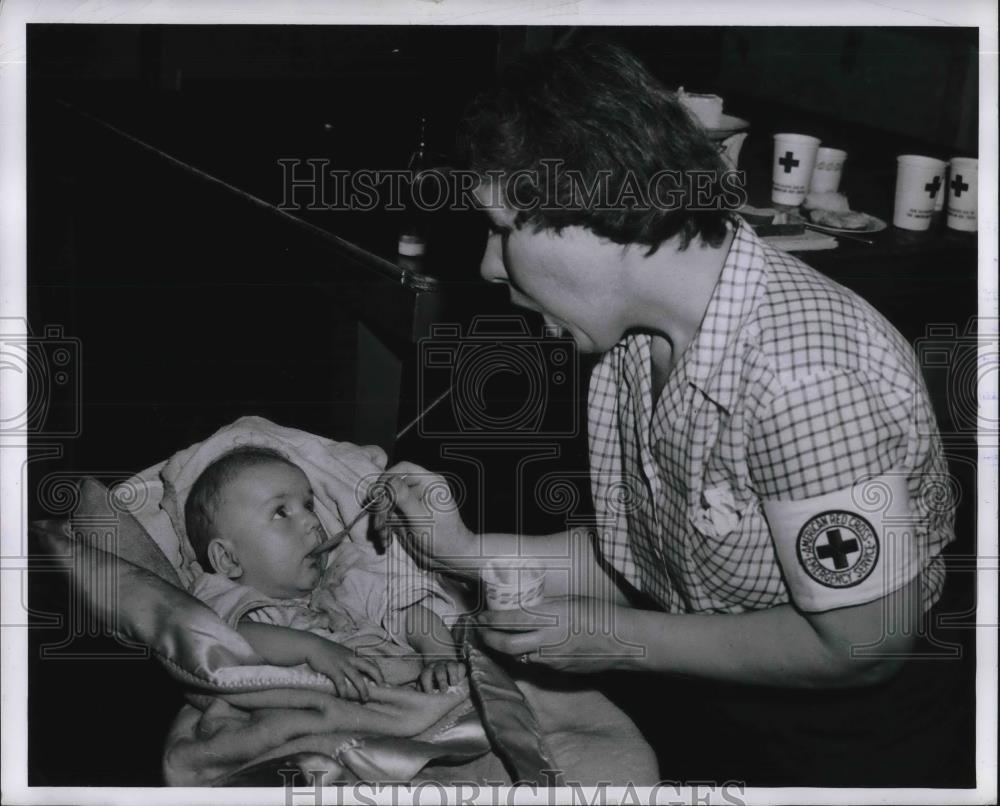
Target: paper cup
513,585
828,170
919,180
706,108
794,160
963,194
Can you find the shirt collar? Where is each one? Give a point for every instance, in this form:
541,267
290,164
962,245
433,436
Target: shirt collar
735,298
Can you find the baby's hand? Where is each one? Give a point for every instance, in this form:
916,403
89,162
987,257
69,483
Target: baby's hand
438,675
349,673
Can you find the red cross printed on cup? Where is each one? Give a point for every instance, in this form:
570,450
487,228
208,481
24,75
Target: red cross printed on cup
788,162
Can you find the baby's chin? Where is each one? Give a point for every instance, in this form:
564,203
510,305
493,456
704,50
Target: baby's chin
315,569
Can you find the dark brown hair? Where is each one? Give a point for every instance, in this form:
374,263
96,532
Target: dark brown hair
595,110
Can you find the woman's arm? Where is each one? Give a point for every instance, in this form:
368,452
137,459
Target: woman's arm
779,646
433,531
585,624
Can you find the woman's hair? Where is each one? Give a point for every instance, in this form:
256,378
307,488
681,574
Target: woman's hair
203,499
562,122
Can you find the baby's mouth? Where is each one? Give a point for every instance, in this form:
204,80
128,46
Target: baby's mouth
319,533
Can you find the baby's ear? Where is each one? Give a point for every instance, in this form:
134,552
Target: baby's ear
222,555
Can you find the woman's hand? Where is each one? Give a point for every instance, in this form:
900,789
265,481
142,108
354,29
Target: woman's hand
403,711
424,515
570,633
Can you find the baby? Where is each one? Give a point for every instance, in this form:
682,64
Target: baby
251,519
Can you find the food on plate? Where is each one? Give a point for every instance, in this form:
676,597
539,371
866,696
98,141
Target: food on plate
833,210
832,202
841,220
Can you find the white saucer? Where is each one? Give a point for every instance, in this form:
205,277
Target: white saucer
872,224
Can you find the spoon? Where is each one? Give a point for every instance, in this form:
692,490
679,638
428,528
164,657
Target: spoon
335,540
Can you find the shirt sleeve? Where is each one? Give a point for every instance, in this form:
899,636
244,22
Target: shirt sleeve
830,461
232,601
822,434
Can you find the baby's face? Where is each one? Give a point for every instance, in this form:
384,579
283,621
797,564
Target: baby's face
266,514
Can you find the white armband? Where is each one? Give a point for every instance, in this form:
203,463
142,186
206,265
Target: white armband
848,547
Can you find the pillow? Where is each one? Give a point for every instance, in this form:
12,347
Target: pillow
99,505
141,496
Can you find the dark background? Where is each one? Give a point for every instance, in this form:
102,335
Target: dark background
191,308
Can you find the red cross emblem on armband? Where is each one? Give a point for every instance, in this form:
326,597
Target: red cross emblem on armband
838,549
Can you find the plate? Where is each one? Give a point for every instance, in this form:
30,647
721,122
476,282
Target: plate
872,225
728,124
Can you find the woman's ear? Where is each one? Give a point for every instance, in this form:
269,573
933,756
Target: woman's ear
222,555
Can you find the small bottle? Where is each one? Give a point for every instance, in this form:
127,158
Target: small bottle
412,239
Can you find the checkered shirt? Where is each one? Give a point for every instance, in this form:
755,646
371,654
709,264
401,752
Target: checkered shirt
793,387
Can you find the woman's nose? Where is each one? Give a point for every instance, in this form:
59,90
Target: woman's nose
491,267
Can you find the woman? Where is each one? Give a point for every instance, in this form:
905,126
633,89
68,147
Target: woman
758,435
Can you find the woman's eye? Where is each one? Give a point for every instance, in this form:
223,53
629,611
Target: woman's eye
310,505
281,512
495,228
